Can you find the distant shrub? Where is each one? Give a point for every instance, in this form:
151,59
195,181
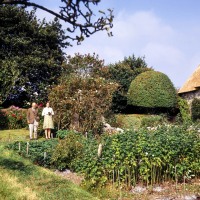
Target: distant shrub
13,118
152,89
195,109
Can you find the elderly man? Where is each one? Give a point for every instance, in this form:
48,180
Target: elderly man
33,119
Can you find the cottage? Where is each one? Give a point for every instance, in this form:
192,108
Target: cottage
191,88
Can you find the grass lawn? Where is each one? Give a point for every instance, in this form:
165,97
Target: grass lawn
13,135
20,179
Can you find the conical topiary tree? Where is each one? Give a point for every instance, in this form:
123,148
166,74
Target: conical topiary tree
152,89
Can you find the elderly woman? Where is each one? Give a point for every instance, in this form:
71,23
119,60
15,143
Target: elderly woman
48,120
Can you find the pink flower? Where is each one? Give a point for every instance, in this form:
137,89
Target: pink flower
40,105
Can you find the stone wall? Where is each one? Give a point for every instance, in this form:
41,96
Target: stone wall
189,96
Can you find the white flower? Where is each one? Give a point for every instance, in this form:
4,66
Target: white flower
23,88
35,93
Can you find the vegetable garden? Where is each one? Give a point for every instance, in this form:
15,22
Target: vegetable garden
168,153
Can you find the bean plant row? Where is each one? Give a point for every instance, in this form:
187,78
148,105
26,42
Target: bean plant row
167,153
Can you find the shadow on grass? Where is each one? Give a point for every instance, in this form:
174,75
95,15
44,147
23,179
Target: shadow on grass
14,165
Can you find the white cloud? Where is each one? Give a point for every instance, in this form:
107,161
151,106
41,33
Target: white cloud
143,33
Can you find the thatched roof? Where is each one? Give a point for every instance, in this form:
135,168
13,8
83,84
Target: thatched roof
193,83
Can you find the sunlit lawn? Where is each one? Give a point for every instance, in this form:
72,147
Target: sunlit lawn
20,179
13,135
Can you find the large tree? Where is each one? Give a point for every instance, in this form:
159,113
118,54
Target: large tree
30,55
79,16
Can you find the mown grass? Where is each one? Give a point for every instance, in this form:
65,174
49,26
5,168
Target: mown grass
136,121
20,179
13,135
131,121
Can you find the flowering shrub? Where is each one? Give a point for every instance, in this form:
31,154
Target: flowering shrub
13,118
80,102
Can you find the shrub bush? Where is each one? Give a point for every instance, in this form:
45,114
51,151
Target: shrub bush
80,102
67,150
152,89
61,134
184,110
13,118
195,109
123,72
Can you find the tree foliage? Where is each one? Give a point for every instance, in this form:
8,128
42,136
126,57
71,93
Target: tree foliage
195,109
184,109
123,72
79,16
84,65
152,89
30,55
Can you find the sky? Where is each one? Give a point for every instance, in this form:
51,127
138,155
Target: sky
165,32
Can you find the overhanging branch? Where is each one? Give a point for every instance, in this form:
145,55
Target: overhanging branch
72,13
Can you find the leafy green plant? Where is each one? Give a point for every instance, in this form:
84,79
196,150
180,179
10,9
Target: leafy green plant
195,109
39,152
167,153
61,134
184,110
67,150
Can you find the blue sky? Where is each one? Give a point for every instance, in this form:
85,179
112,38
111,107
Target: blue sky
166,32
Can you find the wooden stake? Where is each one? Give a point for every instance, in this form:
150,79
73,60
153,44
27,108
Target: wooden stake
27,148
19,146
45,155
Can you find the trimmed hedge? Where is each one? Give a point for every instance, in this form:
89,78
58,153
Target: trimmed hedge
152,89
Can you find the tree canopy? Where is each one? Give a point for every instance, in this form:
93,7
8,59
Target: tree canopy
79,16
82,95
30,55
123,72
